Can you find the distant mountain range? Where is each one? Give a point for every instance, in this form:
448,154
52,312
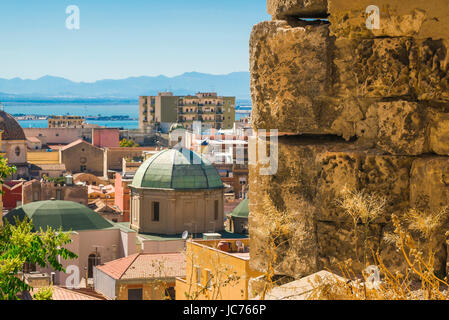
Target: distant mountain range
49,87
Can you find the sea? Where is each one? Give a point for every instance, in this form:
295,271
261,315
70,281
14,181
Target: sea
85,109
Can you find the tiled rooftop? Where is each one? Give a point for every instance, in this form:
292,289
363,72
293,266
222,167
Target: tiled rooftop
60,293
142,266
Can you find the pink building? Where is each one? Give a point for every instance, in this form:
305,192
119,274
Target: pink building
106,137
122,193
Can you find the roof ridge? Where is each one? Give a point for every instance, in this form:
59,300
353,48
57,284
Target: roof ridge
137,255
172,169
74,143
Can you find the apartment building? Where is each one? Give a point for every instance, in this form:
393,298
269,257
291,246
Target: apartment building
159,112
213,111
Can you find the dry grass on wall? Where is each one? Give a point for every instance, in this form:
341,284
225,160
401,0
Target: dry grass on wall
420,238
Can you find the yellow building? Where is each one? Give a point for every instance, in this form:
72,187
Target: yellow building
216,270
45,163
43,157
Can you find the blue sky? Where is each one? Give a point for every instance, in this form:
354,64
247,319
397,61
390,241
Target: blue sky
119,39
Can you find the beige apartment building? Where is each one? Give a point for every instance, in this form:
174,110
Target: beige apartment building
157,112
161,111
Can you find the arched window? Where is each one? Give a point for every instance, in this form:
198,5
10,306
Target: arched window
17,151
93,260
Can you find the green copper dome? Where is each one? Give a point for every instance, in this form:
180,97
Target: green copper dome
177,169
55,214
242,210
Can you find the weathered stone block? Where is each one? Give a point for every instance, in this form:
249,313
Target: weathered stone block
290,190
374,68
311,175
337,243
433,70
289,72
402,127
439,132
429,183
361,170
293,83
281,9
420,19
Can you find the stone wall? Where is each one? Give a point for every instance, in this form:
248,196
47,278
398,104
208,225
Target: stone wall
364,108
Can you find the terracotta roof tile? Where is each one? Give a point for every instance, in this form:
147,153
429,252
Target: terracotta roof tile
117,268
60,293
65,294
139,266
157,266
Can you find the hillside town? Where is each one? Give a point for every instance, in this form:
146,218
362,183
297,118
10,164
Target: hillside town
334,187
129,205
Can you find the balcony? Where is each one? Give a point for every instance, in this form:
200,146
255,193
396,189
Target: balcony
189,112
187,104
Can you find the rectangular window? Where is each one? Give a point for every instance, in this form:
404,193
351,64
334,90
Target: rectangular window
135,294
209,280
198,276
58,195
155,211
216,210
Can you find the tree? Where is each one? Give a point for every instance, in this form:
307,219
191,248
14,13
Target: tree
44,294
125,143
5,170
19,245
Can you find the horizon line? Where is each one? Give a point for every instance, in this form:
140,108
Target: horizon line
125,78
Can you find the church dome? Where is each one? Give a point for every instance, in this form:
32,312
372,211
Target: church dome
242,210
177,169
55,214
10,127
